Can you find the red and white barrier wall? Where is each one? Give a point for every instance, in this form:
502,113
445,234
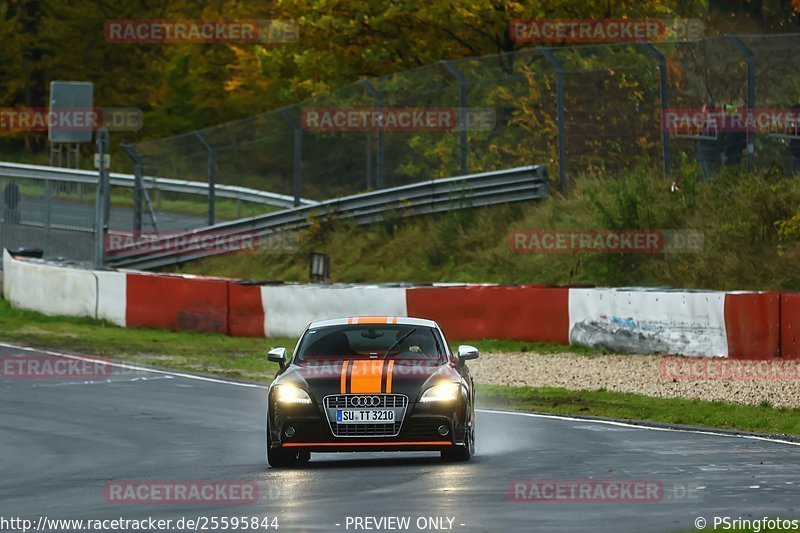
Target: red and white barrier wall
695,323
55,290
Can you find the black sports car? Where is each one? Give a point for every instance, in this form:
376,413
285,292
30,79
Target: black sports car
371,384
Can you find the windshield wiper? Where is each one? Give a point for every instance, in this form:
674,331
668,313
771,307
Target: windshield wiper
398,341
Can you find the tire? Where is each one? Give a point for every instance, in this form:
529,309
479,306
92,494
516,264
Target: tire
278,458
461,453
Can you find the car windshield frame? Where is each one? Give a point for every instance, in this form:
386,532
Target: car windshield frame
390,334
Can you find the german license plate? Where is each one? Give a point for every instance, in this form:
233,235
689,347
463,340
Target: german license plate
365,416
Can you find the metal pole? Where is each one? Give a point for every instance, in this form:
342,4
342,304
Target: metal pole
212,176
663,91
462,96
550,57
751,92
48,194
100,216
138,188
369,160
297,178
298,162
379,156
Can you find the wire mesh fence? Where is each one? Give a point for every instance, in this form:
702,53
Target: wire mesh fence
580,109
56,217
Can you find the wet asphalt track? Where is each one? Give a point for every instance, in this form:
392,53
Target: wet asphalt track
62,440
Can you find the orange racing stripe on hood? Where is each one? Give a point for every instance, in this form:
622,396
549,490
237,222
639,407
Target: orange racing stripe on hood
365,377
389,377
343,383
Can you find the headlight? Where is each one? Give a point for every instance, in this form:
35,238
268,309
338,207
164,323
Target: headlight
291,394
446,392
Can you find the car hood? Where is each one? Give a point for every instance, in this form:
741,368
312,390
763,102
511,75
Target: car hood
360,376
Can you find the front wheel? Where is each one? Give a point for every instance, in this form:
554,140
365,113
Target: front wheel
461,453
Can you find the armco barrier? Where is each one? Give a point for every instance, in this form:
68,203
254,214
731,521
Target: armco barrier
703,323
527,313
177,302
752,325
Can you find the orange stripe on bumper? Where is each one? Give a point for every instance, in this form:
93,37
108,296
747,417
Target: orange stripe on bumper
367,444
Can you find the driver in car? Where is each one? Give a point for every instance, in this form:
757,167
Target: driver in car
418,342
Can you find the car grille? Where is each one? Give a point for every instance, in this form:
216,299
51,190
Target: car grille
385,401
398,402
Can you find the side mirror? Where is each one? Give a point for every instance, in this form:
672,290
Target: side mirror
277,355
467,352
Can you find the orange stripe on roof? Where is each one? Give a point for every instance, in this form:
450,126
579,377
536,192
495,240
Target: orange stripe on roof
366,377
344,377
356,444
389,377
371,320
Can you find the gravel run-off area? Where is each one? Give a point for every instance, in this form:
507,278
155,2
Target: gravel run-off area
703,378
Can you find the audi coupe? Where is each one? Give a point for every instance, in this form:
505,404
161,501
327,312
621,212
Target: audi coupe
371,384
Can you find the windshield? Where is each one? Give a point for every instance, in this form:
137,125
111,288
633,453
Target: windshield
393,341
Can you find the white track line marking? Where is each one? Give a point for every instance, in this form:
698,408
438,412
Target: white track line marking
489,411
636,426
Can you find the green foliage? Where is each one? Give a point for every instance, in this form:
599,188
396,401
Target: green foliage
190,85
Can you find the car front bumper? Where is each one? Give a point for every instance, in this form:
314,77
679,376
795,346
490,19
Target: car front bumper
307,429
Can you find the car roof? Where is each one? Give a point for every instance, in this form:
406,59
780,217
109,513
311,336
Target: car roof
374,320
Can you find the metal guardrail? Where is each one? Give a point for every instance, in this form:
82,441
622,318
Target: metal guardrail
489,188
243,194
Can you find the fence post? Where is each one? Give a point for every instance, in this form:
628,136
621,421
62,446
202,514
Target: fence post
462,97
298,155
749,57
138,188
212,176
48,195
379,156
663,92
369,160
101,207
550,57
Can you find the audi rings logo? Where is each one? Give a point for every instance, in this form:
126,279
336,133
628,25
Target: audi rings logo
365,401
